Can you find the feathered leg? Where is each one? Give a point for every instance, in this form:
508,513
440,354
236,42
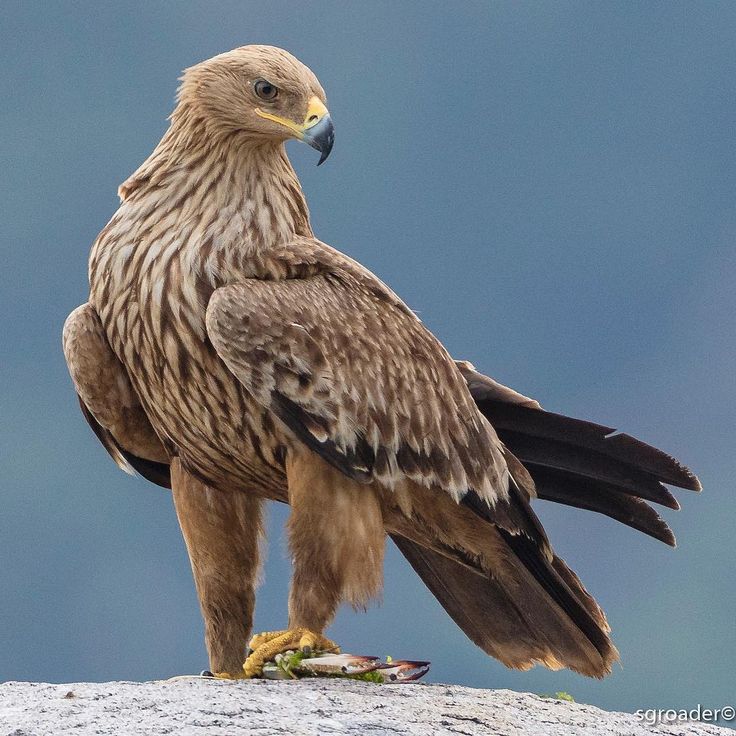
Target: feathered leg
337,540
221,531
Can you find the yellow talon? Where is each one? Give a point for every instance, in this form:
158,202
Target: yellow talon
264,647
258,640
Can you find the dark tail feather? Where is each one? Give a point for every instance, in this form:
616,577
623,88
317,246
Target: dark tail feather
522,531
588,465
584,463
623,451
571,490
519,626
574,602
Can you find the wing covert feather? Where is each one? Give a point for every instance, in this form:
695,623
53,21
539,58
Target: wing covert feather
356,376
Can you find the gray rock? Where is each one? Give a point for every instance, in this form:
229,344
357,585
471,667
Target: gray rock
201,707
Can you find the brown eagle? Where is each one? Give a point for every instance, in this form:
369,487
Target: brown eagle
229,355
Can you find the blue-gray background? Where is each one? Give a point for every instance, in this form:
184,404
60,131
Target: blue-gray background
551,186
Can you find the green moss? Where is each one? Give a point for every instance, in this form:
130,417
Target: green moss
288,662
296,658
368,677
559,695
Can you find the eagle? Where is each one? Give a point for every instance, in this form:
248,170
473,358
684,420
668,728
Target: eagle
226,353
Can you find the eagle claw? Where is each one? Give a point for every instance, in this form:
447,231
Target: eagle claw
264,647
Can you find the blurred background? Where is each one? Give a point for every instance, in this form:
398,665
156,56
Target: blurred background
550,185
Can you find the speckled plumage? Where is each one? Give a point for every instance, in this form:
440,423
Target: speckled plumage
223,339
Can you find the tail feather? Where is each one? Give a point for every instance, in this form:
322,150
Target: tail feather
577,433
589,621
527,539
574,583
582,464
471,600
518,624
492,569
571,490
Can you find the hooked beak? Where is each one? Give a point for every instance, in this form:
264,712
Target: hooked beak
321,136
316,131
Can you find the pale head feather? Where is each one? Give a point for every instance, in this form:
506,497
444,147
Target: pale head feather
221,91
216,113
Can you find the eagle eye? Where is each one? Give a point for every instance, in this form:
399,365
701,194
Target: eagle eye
265,90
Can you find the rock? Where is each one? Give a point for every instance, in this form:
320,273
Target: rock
205,707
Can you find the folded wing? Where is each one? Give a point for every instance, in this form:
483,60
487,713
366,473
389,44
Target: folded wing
352,372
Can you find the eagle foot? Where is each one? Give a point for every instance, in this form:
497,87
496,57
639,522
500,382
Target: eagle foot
264,647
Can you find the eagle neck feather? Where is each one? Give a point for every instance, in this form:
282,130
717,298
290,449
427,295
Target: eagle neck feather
242,192
204,209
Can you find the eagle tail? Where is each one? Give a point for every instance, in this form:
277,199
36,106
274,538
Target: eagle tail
554,622
589,466
492,569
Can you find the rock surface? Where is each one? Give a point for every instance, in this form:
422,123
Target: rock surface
310,707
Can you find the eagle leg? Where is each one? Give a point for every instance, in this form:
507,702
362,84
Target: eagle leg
221,530
267,645
337,539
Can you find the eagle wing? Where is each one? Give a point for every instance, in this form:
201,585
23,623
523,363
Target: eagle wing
354,374
108,400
